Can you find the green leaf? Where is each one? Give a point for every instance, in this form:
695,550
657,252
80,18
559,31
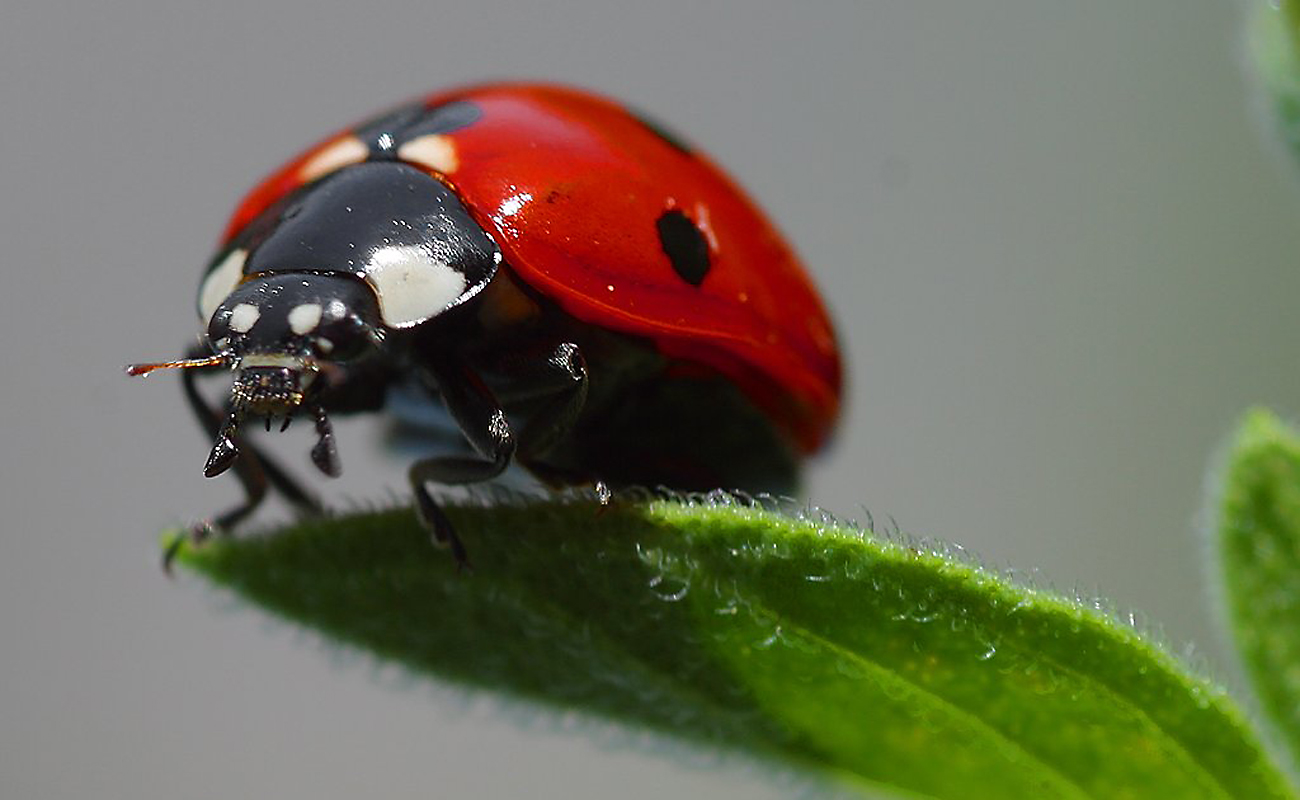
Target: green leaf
1275,45
801,642
1259,553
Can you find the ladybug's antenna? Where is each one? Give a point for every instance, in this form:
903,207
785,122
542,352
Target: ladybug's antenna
189,363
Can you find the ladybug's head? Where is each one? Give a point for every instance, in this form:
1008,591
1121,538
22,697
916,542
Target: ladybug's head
279,331
320,277
283,334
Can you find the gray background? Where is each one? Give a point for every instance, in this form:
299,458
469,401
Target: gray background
1061,256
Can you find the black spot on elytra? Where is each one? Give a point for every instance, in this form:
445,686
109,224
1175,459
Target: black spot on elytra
684,245
667,135
385,133
445,118
380,133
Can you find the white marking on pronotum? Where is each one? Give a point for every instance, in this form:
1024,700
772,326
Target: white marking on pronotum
303,319
221,281
243,317
412,285
432,150
333,156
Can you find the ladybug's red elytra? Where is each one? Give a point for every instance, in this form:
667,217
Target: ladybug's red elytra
584,292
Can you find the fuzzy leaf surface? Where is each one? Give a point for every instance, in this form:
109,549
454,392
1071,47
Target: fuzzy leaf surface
798,642
1259,560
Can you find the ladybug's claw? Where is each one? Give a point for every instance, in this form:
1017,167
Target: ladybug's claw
440,528
169,555
196,534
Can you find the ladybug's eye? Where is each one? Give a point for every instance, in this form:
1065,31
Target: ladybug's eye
339,333
230,320
334,317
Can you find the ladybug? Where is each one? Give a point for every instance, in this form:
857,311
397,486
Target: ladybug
584,292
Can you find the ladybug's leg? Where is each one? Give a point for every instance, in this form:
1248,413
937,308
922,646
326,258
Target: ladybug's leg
552,380
254,470
484,424
566,370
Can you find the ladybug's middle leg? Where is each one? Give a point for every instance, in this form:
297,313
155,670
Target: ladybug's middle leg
565,373
552,381
560,375
483,422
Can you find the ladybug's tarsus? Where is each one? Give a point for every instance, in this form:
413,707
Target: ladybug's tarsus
169,554
435,520
196,534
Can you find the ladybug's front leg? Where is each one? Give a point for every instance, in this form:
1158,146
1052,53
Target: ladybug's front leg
484,424
254,470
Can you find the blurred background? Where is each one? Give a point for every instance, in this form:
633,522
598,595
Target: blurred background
1061,253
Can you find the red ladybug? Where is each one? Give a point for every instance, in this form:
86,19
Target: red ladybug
584,292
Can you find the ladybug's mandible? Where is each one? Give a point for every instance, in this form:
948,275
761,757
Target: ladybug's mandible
584,292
